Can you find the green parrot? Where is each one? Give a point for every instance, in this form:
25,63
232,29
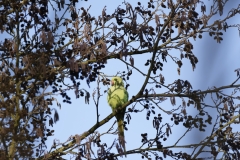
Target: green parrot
117,97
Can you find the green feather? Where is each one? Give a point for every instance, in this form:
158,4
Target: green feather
117,97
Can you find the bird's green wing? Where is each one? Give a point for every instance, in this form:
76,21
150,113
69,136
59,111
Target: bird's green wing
117,96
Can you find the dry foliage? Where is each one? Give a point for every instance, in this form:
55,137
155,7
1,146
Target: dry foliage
79,46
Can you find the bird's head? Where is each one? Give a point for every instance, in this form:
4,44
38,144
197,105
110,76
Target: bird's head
117,81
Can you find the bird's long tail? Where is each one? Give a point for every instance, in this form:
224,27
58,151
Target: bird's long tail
121,135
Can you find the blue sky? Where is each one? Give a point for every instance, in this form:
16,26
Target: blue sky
216,66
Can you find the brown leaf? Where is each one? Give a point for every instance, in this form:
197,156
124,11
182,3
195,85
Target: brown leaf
76,68
120,54
162,79
165,151
157,20
50,38
57,63
225,106
87,96
71,64
43,37
168,130
220,7
83,66
104,12
179,71
104,48
173,101
132,61
39,132
76,24
184,111
114,28
228,130
56,116
124,44
183,103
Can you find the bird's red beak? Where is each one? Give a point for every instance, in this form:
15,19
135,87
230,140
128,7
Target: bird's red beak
112,82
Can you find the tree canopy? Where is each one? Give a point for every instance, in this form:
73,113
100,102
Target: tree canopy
43,56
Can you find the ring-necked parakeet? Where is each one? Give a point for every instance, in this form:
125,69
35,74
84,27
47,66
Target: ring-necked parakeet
117,97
